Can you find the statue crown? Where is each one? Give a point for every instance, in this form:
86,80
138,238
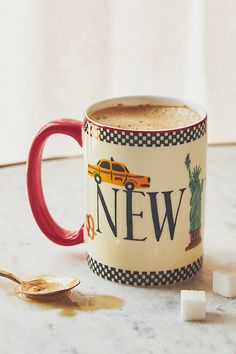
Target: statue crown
196,171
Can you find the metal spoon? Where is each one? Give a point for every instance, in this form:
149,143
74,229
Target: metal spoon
43,286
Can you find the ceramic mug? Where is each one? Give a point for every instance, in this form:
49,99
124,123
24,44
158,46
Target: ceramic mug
145,194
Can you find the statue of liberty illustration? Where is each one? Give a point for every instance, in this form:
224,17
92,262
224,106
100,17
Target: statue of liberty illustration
196,188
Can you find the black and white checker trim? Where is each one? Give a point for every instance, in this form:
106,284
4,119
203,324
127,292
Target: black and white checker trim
135,278
148,139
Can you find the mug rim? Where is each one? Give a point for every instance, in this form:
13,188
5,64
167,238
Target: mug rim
163,100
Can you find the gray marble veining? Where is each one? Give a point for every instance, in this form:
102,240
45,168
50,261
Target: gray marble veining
149,321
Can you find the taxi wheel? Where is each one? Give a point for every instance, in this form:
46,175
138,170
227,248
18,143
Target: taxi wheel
97,178
129,186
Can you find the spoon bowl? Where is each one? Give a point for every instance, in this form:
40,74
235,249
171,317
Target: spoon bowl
42,286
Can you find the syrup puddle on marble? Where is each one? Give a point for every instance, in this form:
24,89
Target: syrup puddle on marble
72,302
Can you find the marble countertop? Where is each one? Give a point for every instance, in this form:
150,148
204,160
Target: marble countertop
149,319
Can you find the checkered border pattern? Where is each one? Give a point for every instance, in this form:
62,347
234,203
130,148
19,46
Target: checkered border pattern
135,278
148,139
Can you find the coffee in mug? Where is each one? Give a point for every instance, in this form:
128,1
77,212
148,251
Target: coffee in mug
146,117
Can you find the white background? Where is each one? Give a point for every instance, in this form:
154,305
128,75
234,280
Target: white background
58,57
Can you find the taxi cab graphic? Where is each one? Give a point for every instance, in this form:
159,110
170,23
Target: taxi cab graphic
110,171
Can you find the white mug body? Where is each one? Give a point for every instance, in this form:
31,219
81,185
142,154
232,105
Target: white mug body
145,198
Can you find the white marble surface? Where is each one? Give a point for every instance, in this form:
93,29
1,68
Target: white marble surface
149,321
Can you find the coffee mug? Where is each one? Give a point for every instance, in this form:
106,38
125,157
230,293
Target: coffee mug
145,195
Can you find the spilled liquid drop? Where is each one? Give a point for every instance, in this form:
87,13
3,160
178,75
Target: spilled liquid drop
71,302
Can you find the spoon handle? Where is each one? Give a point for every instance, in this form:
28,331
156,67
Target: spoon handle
10,276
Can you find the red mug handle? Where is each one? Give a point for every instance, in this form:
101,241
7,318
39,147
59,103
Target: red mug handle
38,205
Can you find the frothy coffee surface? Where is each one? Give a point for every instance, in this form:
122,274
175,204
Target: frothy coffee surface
146,117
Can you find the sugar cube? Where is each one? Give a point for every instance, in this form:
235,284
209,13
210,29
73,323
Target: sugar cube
224,283
193,305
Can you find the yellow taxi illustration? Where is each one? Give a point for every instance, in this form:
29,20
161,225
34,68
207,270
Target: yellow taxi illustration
110,171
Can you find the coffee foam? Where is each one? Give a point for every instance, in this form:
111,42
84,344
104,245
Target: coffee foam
146,117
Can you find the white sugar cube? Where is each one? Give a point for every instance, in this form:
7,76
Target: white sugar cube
224,283
193,305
